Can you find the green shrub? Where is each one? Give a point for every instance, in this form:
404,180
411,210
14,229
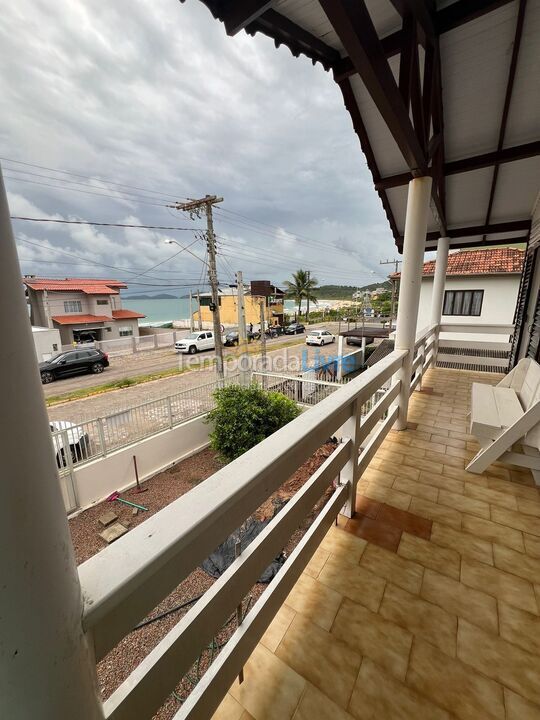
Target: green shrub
243,416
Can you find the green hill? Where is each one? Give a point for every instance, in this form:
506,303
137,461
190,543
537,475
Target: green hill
344,292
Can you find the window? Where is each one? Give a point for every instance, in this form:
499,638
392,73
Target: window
102,302
463,302
125,331
72,306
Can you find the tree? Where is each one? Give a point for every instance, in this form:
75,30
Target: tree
302,287
243,416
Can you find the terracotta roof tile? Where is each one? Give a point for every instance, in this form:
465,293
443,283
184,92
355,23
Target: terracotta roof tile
89,286
126,314
79,319
488,261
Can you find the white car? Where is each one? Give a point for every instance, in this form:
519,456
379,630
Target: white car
319,337
195,342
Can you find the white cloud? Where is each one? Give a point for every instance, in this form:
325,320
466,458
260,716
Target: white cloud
153,94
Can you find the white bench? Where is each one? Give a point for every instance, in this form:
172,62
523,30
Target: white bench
506,414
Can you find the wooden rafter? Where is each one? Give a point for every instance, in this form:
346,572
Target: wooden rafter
240,13
352,22
423,13
507,100
477,162
295,37
432,244
477,230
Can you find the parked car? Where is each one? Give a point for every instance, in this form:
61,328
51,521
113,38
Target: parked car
73,362
319,337
196,342
354,340
74,437
231,338
295,329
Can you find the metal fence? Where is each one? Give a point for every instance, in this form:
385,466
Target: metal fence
96,438
88,440
305,390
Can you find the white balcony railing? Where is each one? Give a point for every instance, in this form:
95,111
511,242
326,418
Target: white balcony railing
127,580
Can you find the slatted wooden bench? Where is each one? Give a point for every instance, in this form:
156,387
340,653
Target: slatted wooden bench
505,415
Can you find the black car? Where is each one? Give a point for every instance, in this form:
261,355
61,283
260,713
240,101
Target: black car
73,362
231,338
295,329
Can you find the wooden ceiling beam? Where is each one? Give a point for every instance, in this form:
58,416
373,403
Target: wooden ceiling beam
240,13
295,37
423,13
477,162
432,245
472,230
352,22
463,11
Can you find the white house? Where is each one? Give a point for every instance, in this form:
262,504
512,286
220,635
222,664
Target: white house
481,288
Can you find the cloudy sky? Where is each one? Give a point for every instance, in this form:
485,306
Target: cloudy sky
146,102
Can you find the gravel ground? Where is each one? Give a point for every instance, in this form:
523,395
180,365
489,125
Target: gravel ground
163,489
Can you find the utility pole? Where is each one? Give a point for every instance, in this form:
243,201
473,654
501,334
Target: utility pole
263,336
242,330
199,309
196,208
307,299
191,325
396,263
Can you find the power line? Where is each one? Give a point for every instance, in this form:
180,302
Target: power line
103,224
88,177
85,260
87,192
85,185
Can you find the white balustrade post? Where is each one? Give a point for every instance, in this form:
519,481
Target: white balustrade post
340,358
437,298
350,471
47,669
411,278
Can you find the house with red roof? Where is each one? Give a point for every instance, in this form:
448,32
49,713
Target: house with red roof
82,309
481,287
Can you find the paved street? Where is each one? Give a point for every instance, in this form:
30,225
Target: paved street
153,360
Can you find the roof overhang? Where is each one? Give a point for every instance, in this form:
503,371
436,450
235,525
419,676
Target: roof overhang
432,87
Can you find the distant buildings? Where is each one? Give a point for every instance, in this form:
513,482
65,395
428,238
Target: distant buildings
262,290
81,309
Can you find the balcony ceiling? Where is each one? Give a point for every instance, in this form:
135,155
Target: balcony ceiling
443,88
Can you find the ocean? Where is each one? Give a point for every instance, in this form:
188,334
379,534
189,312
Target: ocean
165,311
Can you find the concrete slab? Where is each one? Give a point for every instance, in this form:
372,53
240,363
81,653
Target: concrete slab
113,532
107,518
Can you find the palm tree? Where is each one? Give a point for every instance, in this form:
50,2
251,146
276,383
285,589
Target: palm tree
302,287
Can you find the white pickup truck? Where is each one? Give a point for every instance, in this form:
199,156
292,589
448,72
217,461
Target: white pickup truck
196,342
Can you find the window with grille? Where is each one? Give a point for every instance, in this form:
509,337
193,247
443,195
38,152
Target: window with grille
125,331
102,302
463,302
72,306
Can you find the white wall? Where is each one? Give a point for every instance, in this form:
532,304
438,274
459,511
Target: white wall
96,480
45,340
500,296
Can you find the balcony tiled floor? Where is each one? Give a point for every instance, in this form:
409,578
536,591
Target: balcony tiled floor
427,603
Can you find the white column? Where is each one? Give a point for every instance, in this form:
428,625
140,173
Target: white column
411,277
46,665
439,281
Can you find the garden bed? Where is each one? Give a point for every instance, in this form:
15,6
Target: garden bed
163,489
